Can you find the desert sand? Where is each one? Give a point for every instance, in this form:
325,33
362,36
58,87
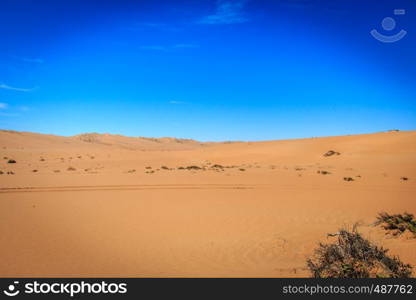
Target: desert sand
98,205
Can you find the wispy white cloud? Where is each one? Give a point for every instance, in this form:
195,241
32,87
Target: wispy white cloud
10,111
8,87
4,112
24,108
227,12
169,47
176,102
185,46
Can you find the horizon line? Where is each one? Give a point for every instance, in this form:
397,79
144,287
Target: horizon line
199,141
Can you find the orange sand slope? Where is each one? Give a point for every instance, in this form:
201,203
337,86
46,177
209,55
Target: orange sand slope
108,205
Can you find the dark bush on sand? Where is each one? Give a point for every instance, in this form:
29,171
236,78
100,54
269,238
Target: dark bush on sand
352,256
398,223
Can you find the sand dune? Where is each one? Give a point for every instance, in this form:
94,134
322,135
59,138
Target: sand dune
109,205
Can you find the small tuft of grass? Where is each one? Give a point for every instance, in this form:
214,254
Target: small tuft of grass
404,178
324,172
348,179
11,161
330,153
164,168
217,166
397,224
352,256
193,168
35,171
71,169
242,169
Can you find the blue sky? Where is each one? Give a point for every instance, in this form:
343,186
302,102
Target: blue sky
206,69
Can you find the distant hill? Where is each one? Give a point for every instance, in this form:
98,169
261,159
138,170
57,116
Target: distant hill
16,139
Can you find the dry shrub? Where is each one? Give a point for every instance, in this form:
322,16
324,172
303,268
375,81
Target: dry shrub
193,168
331,152
353,256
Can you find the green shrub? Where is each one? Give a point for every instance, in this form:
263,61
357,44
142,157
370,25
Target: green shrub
397,224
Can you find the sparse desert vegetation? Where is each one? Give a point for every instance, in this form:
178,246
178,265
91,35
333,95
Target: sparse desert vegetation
208,139
397,224
193,168
236,210
323,172
353,256
217,166
331,153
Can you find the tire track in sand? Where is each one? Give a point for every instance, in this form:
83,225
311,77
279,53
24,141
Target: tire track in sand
28,189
